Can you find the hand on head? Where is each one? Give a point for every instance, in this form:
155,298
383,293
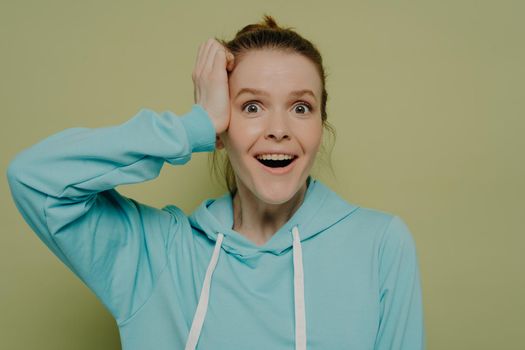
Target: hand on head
210,80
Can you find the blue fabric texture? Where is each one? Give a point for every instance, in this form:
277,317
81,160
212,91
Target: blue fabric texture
147,265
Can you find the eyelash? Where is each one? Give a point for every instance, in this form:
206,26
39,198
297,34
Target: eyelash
309,106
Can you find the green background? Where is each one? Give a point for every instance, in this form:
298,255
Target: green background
427,98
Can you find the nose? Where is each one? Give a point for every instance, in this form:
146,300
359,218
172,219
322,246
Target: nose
277,128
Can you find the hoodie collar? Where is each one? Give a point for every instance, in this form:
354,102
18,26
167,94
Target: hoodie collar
321,208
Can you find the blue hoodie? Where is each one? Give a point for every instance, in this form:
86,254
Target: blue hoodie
335,276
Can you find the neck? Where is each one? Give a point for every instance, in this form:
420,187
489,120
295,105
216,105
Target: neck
257,220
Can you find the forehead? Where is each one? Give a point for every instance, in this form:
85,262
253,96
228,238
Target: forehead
274,71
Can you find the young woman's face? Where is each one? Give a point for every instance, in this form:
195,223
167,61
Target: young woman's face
275,113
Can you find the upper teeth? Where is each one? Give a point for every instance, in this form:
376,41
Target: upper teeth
274,156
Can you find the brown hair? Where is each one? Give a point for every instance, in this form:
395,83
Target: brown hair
268,35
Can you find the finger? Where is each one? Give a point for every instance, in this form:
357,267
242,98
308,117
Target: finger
204,57
198,62
219,62
210,58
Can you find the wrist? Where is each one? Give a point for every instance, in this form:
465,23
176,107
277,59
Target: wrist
200,129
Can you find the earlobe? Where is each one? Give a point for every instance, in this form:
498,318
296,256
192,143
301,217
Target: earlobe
218,143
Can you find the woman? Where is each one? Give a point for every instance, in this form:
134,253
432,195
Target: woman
278,262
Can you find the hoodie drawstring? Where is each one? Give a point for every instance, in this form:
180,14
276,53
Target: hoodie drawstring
298,286
202,306
300,317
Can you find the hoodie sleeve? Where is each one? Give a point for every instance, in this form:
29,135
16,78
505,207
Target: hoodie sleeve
64,188
401,314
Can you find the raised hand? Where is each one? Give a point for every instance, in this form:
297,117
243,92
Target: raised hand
210,80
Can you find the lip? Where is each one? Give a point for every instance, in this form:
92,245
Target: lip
278,171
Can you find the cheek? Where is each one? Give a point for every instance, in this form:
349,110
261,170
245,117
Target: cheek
241,135
310,136
319,138
244,131
314,146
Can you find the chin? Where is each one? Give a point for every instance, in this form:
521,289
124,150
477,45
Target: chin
277,193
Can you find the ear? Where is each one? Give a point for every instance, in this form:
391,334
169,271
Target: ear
218,143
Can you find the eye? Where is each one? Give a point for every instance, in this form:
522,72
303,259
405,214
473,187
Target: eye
251,107
303,108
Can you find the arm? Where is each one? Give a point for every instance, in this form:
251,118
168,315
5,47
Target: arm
401,321
64,188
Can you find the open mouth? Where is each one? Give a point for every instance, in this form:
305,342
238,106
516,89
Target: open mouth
279,163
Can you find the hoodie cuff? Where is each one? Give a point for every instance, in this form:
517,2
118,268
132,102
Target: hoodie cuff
200,129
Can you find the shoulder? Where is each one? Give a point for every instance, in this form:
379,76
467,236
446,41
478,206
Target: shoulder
390,228
386,229
378,223
174,211
178,219
389,225
177,215
389,238
395,243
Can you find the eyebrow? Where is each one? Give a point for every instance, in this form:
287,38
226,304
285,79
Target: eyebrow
296,93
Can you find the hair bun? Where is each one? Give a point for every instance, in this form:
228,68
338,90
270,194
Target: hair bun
268,22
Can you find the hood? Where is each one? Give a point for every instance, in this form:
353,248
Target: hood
321,208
